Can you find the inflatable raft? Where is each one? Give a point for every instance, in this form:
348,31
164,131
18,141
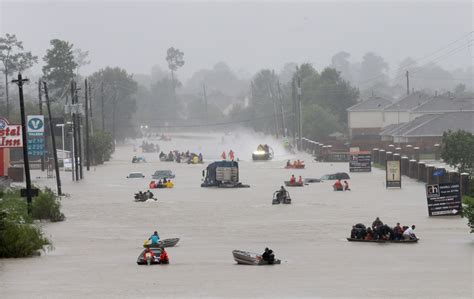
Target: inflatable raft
295,184
382,241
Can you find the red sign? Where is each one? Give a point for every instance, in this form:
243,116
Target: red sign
10,135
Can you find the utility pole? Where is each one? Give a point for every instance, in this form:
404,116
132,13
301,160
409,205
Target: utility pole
41,113
114,108
87,95
29,193
79,134
102,111
282,109
90,109
74,132
300,125
295,115
205,103
53,140
408,83
274,110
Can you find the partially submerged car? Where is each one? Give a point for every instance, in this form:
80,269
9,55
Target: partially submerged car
135,175
335,176
163,174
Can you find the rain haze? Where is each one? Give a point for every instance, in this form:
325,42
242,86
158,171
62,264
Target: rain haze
236,149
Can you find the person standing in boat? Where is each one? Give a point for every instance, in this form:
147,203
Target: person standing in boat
268,256
231,155
292,179
346,186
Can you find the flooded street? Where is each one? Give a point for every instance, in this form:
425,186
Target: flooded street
95,249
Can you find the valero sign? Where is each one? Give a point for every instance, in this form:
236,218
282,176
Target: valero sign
10,135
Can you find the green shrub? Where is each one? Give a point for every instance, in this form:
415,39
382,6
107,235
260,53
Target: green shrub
47,206
20,239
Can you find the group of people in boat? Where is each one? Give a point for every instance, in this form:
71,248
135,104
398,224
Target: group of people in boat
231,155
293,180
144,196
148,254
295,164
339,186
161,183
179,157
381,231
263,148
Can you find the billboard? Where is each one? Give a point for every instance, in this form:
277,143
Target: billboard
10,134
360,162
444,199
393,177
35,135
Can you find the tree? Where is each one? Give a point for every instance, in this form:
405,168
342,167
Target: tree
14,59
458,150
175,59
319,122
373,68
340,62
60,66
101,146
80,57
119,100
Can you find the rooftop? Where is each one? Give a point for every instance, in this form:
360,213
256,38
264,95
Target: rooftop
371,104
446,104
409,102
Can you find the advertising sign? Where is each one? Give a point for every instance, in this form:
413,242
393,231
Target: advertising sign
360,162
10,135
35,131
444,199
393,176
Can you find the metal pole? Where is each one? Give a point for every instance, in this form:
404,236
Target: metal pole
300,128
282,109
53,140
87,94
102,105
29,198
79,136
41,113
408,83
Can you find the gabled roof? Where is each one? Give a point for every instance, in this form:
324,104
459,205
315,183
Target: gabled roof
371,104
446,104
409,102
400,130
441,123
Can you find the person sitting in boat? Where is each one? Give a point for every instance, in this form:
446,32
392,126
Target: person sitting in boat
281,193
170,156
134,159
300,180
148,256
338,186
266,148
268,256
178,159
397,232
154,238
288,163
409,233
200,159
346,186
223,157
164,259
377,222
162,155
260,148
149,194
231,155
384,232
152,185
292,179
354,232
369,234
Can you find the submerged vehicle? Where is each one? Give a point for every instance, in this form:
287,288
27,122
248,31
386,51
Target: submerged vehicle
336,176
135,175
136,159
249,258
222,174
263,153
281,197
383,241
156,258
311,180
163,174
163,243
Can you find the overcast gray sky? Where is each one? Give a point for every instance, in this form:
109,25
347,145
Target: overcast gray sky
247,35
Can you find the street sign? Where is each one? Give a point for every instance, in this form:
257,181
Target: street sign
393,176
10,134
35,131
360,162
444,199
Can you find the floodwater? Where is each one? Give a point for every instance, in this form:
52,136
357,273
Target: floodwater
97,246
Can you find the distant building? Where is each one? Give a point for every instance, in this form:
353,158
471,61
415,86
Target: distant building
365,119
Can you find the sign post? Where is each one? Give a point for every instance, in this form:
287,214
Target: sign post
393,178
444,199
35,130
360,161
